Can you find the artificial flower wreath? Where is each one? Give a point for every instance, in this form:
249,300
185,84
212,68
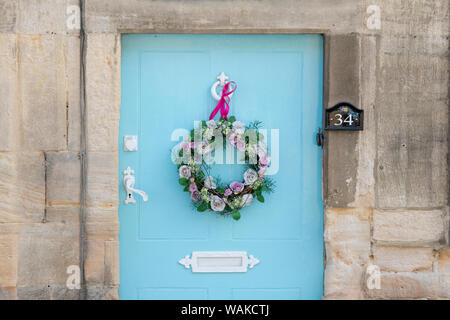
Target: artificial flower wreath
207,193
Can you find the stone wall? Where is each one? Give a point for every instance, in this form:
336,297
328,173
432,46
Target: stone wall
385,188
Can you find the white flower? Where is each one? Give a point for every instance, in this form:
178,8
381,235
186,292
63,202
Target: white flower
247,199
238,127
184,172
208,134
250,176
203,147
262,149
253,149
217,203
240,144
211,124
209,183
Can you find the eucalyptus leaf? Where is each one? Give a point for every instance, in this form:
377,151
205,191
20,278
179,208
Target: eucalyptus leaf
236,215
232,119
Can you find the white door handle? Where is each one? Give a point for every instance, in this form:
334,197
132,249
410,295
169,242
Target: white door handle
128,183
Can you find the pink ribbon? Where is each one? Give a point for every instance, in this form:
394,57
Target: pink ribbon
223,105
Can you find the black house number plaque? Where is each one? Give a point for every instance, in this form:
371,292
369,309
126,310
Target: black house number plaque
344,116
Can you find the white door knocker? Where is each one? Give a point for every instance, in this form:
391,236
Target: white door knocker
128,182
221,82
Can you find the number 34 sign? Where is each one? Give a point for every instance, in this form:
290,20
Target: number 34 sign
344,116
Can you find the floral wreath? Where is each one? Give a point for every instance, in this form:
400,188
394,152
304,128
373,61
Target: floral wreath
207,193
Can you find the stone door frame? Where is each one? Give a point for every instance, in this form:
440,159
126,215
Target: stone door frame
103,86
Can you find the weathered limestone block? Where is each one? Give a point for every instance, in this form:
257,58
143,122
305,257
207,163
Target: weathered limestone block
403,259
8,293
107,16
64,217
343,281
347,243
22,184
421,285
415,17
33,293
39,85
112,277
342,84
102,222
47,293
103,91
8,14
8,260
64,293
63,179
366,147
8,91
412,141
102,180
102,293
73,93
46,250
44,90
408,226
102,261
444,260
347,235
43,16
94,264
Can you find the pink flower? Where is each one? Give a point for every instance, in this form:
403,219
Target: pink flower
185,145
233,139
236,187
228,192
264,160
193,187
240,144
261,172
195,195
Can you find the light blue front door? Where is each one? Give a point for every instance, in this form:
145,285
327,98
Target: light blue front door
166,81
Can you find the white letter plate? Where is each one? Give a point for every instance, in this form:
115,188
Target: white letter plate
219,261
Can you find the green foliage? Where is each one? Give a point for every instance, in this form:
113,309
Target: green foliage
202,207
255,125
268,185
236,215
221,190
260,197
232,119
201,176
186,188
183,181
